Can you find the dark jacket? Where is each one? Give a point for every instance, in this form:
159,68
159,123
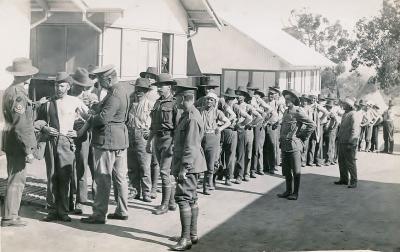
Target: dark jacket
296,128
350,127
109,129
188,152
18,135
164,116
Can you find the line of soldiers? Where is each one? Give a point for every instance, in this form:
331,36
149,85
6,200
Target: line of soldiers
155,128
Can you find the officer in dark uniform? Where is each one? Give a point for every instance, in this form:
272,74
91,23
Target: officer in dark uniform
18,139
295,129
164,118
188,162
110,141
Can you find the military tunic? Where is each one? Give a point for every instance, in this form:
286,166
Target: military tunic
18,142
295,129
188,155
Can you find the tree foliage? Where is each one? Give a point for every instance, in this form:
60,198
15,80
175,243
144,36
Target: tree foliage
329,39
377,45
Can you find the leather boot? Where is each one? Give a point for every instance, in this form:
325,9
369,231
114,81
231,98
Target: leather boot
295,194
288,189
213,181
206,189
155,174
184,242
166,194
172,203
193,224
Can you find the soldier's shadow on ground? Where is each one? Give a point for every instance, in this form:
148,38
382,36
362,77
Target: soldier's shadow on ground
116,230
325,217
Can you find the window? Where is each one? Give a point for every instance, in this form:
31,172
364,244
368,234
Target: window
312,80
149,53
234,78
289,79
242,78
56,48
166,57
229,78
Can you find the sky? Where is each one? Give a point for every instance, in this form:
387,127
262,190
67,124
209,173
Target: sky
277,12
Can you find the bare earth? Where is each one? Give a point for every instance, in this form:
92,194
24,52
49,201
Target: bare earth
248,217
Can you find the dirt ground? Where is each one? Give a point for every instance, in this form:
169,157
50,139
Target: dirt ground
246,217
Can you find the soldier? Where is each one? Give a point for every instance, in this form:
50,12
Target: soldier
292,137
238,119
211,116
271,132
280,110
152,75
139,121
55,120
164,118
330,133
348,135
188,162
18,139
388,128
110,141
376,121
317,114
306,106
245,136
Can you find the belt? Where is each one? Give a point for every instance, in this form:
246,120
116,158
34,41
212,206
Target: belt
209,132
161,133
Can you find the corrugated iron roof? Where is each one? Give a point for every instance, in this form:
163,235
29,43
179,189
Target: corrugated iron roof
201,14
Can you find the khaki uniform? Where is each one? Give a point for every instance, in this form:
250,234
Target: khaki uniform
18,142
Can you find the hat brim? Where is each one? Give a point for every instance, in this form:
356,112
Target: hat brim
164,83
31,71
210,86
243,93
142,87
297,99
143,75
348,103
87,84
230,95
253,88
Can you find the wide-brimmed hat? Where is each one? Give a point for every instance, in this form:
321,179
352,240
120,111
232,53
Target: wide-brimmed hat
143,83
165,79
293,94
304,97
242,91
63,77
349,101
321,97
229,92
274,90
152,71
261,93
22,67
251,86
331,97
81,78
329,103
209,83
104,70
184,89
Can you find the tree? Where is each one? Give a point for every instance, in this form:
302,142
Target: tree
377,45
329,39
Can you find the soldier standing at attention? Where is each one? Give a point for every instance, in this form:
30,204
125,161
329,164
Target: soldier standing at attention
18,139
212,135
164,117
296,128
348,135
188,162
110,141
